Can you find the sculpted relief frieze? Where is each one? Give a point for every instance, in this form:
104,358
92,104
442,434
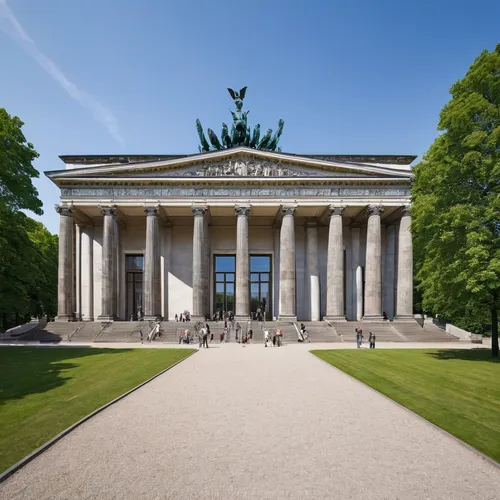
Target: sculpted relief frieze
233,191
247,168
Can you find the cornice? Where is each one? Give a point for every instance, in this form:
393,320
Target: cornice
204,158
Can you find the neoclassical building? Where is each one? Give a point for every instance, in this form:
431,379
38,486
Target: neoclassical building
307,237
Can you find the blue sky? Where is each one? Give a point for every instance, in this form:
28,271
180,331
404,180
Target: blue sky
132,76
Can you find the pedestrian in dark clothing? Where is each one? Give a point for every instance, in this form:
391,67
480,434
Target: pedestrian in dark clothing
372,340
205,336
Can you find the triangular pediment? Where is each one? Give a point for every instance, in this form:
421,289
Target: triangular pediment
235,163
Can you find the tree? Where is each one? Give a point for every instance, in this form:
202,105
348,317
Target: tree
456,203
16,169
28,252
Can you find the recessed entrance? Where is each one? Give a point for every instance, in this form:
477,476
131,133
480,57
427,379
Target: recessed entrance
134,270
260,285
225,273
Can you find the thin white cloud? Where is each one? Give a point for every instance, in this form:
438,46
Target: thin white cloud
10,25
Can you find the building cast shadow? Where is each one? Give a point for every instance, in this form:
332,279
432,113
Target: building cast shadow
476,354
35,370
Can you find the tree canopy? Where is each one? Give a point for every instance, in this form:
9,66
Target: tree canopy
456,204
28,252
16,168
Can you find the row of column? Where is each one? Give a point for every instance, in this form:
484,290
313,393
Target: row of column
287,288
109,265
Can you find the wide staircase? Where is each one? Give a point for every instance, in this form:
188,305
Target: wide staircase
413,332
393,331
384,331
320,331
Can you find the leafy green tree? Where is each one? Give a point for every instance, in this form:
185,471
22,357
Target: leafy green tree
456,203
28,252
16,169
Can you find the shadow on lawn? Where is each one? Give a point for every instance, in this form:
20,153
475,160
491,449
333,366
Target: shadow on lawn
465,355
30,370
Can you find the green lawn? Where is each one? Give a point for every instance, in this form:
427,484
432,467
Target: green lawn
45,390
456,389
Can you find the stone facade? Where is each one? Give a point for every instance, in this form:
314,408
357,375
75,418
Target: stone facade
336,235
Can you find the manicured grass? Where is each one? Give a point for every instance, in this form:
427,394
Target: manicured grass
456,389
45,390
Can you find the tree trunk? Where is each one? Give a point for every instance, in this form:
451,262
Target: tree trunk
494,331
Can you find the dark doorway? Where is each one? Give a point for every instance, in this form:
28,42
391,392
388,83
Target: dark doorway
134,270
260,285
224,269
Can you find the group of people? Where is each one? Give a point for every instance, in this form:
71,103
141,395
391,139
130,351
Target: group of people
274,340
153,333
360,337
183,317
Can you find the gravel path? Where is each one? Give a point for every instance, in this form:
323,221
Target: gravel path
255,423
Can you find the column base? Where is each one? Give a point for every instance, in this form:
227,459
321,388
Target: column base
336,319
152,317
374,318
65,317
242,318
197,318
405,318
87,320
285,317
105,319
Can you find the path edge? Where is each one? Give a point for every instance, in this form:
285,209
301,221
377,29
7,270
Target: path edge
28,458
440,429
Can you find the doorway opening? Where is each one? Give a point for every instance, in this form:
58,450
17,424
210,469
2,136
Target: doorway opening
225,273
134,271
260,285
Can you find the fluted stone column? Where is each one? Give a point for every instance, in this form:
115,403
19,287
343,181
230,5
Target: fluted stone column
373,269
389,280
198,261
242,264
404,303
65,298
87,273
287,265
312,271
356,274
206,267
359,293
108,265
335,267
152,285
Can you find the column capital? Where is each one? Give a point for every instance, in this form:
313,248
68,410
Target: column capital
311,222
107,211
151,210
199,210
288,210
375,210
405,210
333,210
64,210
243,211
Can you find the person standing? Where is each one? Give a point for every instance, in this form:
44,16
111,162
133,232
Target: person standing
266,337
372,340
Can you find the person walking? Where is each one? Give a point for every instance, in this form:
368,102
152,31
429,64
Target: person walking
205,336
266,337
371,339
176,318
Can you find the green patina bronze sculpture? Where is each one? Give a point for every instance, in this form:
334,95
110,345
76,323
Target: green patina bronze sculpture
241,134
